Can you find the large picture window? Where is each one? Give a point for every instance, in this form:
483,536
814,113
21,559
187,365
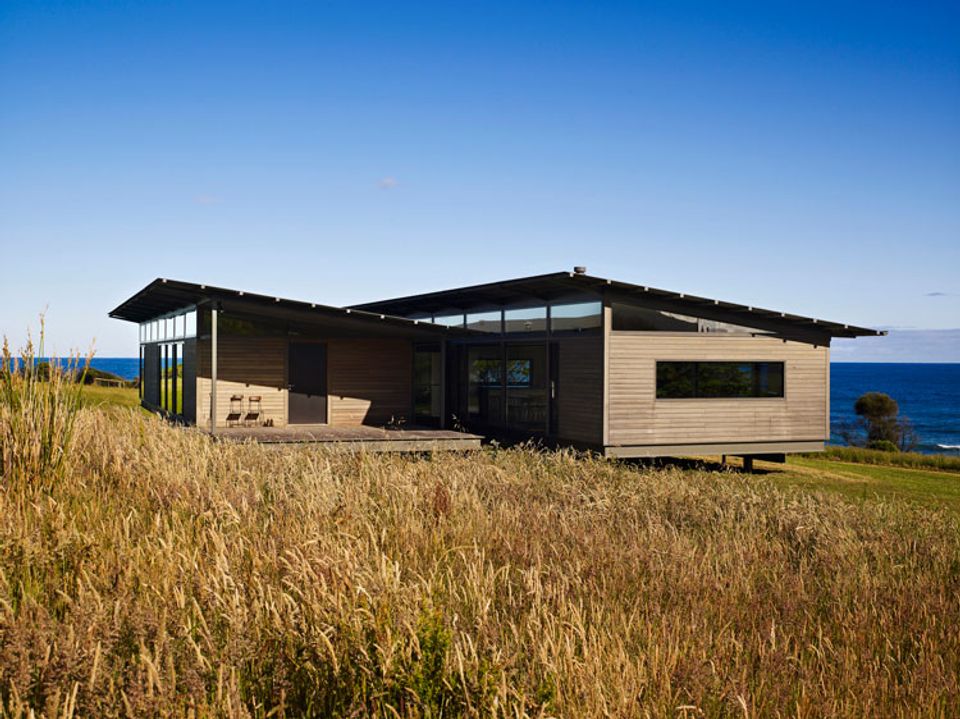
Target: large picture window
719,380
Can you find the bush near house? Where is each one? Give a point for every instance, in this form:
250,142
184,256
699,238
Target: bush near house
880,425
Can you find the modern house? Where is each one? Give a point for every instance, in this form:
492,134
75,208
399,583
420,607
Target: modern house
627,370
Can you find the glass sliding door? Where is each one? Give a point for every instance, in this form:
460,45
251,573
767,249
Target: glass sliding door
427,384
526,382
170,376
508,386
485,388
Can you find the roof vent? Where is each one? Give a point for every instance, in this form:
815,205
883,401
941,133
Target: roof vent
579,270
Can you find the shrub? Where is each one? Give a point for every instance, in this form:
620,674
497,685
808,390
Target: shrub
884,445
879,424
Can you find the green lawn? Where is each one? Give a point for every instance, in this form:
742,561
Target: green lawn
868,481
94,395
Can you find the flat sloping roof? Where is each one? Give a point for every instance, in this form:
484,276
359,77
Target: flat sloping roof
164,296
569,285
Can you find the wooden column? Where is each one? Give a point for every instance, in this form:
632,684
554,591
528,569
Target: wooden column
213,371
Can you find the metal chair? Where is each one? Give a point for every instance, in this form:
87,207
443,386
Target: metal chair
254,414
236,410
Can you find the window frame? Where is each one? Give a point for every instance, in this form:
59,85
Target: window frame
698,398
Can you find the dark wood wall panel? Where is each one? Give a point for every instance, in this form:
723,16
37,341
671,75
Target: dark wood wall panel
151,375
369,381
580,390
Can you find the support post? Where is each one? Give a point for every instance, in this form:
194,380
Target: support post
213,370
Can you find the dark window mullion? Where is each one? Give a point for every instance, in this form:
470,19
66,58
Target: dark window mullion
173,401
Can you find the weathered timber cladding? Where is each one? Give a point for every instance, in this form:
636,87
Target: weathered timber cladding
248,366
637,417
580,390
369,381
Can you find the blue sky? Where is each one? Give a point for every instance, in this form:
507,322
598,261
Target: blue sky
801,156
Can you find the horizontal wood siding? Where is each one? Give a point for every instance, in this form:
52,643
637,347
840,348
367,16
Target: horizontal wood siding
369,381
580,390
637,417
248,366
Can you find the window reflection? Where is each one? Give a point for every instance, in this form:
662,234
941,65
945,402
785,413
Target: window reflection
715,380
427,384
527,387
449,320
485,321
576,317
528,319
485,384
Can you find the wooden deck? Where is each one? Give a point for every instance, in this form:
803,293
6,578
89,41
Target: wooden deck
358,438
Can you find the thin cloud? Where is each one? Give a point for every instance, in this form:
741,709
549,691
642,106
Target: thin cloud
206,200
387,183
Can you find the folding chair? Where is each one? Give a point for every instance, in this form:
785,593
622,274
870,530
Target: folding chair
254,414
236,410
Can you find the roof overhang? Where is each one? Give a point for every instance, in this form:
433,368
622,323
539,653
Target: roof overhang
164,297
561,286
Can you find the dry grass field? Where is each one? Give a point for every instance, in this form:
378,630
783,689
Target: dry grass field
147,571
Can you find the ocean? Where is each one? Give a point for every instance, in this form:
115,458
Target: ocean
126,367
929,394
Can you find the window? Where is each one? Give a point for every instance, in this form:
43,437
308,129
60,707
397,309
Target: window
449,320
576,317
170,373
485,322
519,372
715,380
529,319
642,319
632,318
427,383
190,324
485,388
527,387
486,372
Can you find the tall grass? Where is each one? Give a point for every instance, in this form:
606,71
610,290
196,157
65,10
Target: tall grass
168,575
38,408
914,460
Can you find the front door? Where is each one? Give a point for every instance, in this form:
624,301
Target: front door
307,383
